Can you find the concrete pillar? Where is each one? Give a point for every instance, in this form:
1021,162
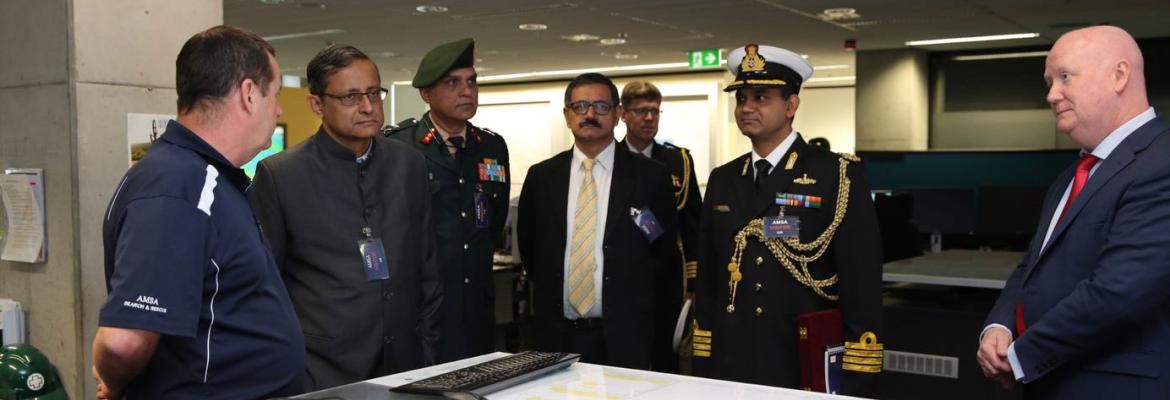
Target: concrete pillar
893,101
70,71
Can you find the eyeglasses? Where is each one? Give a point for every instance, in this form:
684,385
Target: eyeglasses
641,112
353,98
582,107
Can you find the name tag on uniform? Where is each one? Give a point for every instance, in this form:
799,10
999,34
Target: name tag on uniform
374,259
491,171
481,208
781,227
647,223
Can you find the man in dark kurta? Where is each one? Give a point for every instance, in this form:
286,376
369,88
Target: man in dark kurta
348,218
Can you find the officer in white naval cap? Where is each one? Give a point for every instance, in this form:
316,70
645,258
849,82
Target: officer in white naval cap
790,257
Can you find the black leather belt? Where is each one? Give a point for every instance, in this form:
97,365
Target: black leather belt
583,323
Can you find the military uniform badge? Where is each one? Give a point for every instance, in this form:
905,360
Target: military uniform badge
752,61
491,171
864,355
428,137
804,180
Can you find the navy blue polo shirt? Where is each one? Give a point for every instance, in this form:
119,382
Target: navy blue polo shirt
186,258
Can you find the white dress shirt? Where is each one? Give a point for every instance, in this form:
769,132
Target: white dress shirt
602,175
646,152
776,154
1102,151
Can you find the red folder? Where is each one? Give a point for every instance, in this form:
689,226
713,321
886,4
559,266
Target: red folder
818,330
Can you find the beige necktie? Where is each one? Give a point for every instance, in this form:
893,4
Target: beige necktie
581,261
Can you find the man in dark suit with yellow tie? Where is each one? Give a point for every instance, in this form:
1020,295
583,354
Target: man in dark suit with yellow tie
597,230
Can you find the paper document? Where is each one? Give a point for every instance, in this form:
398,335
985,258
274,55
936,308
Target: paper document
22,194
681,324
11,322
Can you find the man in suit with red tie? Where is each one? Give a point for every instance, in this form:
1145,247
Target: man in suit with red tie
1086,314
597,228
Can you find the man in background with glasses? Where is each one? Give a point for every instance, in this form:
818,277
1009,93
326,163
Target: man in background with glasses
597,229
349,222
467,174
641,111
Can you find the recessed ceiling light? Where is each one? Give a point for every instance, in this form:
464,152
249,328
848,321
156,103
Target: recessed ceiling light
832,79
430,8
625,56
829,67
483,69
1001,56
532,27
297,35
972,39
387,54
612,41
571,72
839,14
804,56
580,37
478,60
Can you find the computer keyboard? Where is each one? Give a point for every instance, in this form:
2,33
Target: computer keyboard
490,376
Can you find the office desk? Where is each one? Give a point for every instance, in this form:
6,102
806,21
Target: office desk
963,268
580,381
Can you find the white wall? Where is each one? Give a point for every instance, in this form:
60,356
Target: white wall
892,100
828,113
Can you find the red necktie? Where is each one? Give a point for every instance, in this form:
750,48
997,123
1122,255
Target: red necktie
1085,165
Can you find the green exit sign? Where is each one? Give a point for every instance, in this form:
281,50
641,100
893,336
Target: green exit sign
704,58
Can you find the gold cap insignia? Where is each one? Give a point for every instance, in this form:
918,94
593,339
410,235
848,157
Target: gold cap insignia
752,60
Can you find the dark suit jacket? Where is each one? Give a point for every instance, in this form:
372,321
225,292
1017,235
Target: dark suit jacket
688,200
641,286
312,202
1095,299
758,342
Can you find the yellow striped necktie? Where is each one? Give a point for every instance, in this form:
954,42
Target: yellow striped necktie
581,257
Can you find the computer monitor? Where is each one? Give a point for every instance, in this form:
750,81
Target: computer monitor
1009,210
276,147
944,210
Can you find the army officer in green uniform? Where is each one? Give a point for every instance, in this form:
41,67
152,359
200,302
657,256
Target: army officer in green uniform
469,183
787,229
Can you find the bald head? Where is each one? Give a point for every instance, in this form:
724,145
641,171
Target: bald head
1097,82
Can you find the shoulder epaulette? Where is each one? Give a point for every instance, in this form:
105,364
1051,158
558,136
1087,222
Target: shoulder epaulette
487,131
670,145
850,156
405,124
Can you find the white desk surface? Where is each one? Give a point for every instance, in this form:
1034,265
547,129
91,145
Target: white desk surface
596,382
966,268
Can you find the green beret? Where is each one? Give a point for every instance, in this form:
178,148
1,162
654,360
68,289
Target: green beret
443,58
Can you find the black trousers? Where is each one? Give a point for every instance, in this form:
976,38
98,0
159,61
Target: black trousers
586,337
